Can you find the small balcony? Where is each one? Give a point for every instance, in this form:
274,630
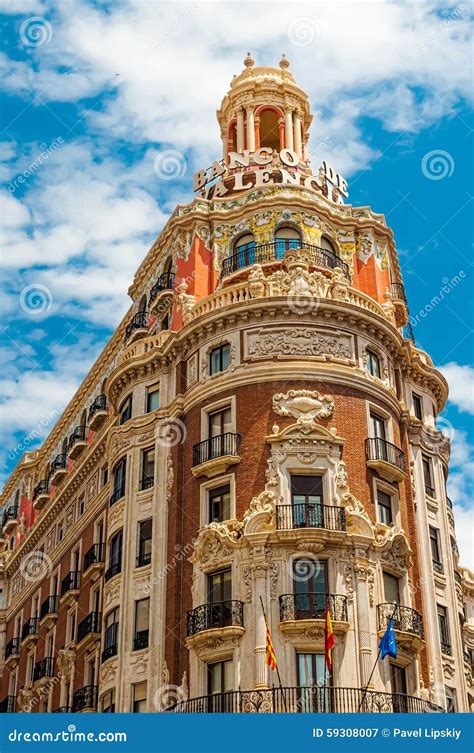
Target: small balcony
275,251
85,699
147,482
58,468
29,632
77,442
224,619
10,518
430,491
41,494
214,455
137,327
43,669
94,560
143,559
438,567
98,412
49,611
140,640
400,303
300,611
88,630
165,283
407,622
70,587
8,705
112,571
294,700
385,458
116,495
304,515
12,652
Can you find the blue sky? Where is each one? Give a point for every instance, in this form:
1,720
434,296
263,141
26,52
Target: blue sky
96,94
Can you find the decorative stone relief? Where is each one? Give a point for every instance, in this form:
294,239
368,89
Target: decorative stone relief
256,280
108,672
192,366
65,663
304,405
184,301
349,582
298,342
247,579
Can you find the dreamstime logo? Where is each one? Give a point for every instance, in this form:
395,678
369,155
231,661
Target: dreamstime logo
448,286
170,164
437,165
303,31
45,153
36,299
35,566
304,571
302,303
166,697
172,434
444,426
36,31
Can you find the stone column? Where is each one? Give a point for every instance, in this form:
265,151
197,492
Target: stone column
289,129
240,131
261,672
365,652
297,136
250,129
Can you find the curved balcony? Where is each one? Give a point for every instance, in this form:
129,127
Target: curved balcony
146,482
10,518
12,652
140,640
296,700
112,571
85,699
59,468
43,669
408,623
98,412
29,632
49,611
224,618
298,611
94,560
385,458
275,251
400,303
214,455
89,629
41,494
77,442
310,522
116,495
70,587
110,642
137,326
164,284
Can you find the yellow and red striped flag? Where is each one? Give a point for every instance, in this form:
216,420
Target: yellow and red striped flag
328,638
270,656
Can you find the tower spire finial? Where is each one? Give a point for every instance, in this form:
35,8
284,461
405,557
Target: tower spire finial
284,63
249,61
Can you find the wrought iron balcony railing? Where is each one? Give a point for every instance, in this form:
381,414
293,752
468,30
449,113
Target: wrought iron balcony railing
91,624
165,282
430,491
113,570
139,321
143,559
110,641
94,556
85,698
379,449
408,333
216,615
7,706
315,699
78,435
99,404
49,606
116,495
405,619
312,606
41,488
71,582
446,648
438,567
30,627
43,668
275,251
307,515
10,513
13,647
146,482
140,640
216,447
398,292
59,463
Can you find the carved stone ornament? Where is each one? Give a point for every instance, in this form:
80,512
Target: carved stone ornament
260,512
256,280
304,405
24,699
299,342
216,541
65,663
184,301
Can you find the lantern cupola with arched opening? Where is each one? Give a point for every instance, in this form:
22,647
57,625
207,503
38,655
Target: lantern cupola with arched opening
265,108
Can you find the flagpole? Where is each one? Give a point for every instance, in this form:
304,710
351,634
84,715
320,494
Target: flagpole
277,670
373,668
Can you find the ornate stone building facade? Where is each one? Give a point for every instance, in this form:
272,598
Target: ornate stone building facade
260,429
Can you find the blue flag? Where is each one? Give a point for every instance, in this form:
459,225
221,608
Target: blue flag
388,644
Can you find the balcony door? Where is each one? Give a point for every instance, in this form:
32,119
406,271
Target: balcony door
307,501
314,695
220,684
219,595
398,682
310,586
391,587
377,427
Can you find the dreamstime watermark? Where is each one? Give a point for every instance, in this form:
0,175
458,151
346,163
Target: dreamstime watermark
70,735
303,31
35,433
167,696
35,566
180,553
437,165
36,299
172,433
448,286
44,155
36,31
302,303
170,164
430,39
321,148
173,28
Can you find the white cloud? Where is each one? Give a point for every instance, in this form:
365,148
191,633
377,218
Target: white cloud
461,386
460,490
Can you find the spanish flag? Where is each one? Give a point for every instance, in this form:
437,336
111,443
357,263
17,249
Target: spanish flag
328,638
270,656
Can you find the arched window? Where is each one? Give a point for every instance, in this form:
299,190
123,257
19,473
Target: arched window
84,418
285,238
232,139
142,306
269,129
168,265
327,245
244,251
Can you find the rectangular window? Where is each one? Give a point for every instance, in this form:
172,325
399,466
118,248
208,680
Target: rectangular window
111,634
152,398
398,681
384,506
220,677
377,426
417,406
219,359
105,475
307,501
219,586
120,472
312,679
115,555
434,544
125,410
373,363
451,700
220,422
108,702
219,503
443,626
71,630
144,542
142,621
391,589
139,691
148,469
427,475
310,586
